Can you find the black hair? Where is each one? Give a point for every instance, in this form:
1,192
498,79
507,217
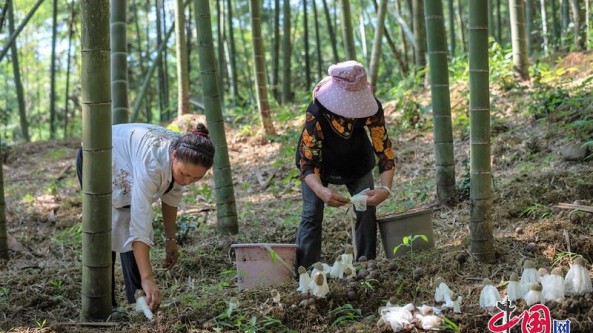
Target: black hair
195,147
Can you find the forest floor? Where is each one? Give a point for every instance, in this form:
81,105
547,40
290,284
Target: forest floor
533,129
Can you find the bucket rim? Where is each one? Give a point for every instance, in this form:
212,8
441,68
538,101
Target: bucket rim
263,245
406,213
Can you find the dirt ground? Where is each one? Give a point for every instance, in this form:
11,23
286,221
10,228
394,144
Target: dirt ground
40,285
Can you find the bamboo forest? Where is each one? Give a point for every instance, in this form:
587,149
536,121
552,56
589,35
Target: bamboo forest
296,166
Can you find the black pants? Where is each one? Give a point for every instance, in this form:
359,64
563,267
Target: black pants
132,280
309,234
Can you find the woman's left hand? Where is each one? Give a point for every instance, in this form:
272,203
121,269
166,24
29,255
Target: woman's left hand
172,254
377,196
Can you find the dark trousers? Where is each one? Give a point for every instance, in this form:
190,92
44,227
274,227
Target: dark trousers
132,280
309,235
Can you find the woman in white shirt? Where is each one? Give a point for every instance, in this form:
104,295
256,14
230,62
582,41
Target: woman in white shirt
149,163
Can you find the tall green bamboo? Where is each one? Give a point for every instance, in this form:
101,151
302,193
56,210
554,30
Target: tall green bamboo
330,31
420,34
161,77
544,26
276,52
3,231
491,29
220,33
499,20
233,75
578,23
317,44
226,209
20,94
287,52
68,67
96,142
182,61
528,9
555,26
564,12
347,30
461,24
441,101
3,14
306,40
119,62
52,93
377,41
519,39
260,69
451,27
482,239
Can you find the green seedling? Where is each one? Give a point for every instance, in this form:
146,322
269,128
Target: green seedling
408,241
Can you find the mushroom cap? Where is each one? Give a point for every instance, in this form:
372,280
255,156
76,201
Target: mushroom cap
487,282
438,280
274,292
318,266
557,271
528,264
579,261
393,300
514,277
349,249
347,271
542,271
536,286
319,279
302,270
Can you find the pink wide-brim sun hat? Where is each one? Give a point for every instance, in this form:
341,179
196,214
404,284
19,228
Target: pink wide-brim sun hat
346,91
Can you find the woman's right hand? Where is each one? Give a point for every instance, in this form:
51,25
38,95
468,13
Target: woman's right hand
153,294
332,198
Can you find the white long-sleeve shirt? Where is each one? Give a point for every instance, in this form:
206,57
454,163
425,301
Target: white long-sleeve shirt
141,174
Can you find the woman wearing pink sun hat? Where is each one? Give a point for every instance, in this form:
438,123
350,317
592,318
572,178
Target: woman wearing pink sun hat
334,148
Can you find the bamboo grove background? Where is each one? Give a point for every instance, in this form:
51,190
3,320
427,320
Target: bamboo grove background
40,85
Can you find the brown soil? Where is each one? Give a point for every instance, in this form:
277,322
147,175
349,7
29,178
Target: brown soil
40,285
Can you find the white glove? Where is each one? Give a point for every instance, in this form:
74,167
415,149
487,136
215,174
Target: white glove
359,200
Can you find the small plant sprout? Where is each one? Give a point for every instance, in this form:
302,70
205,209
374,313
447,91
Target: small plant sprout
408,241
141,305
577,279
489,295
553,286
304,280
319,287
534,295
41,324
515,290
